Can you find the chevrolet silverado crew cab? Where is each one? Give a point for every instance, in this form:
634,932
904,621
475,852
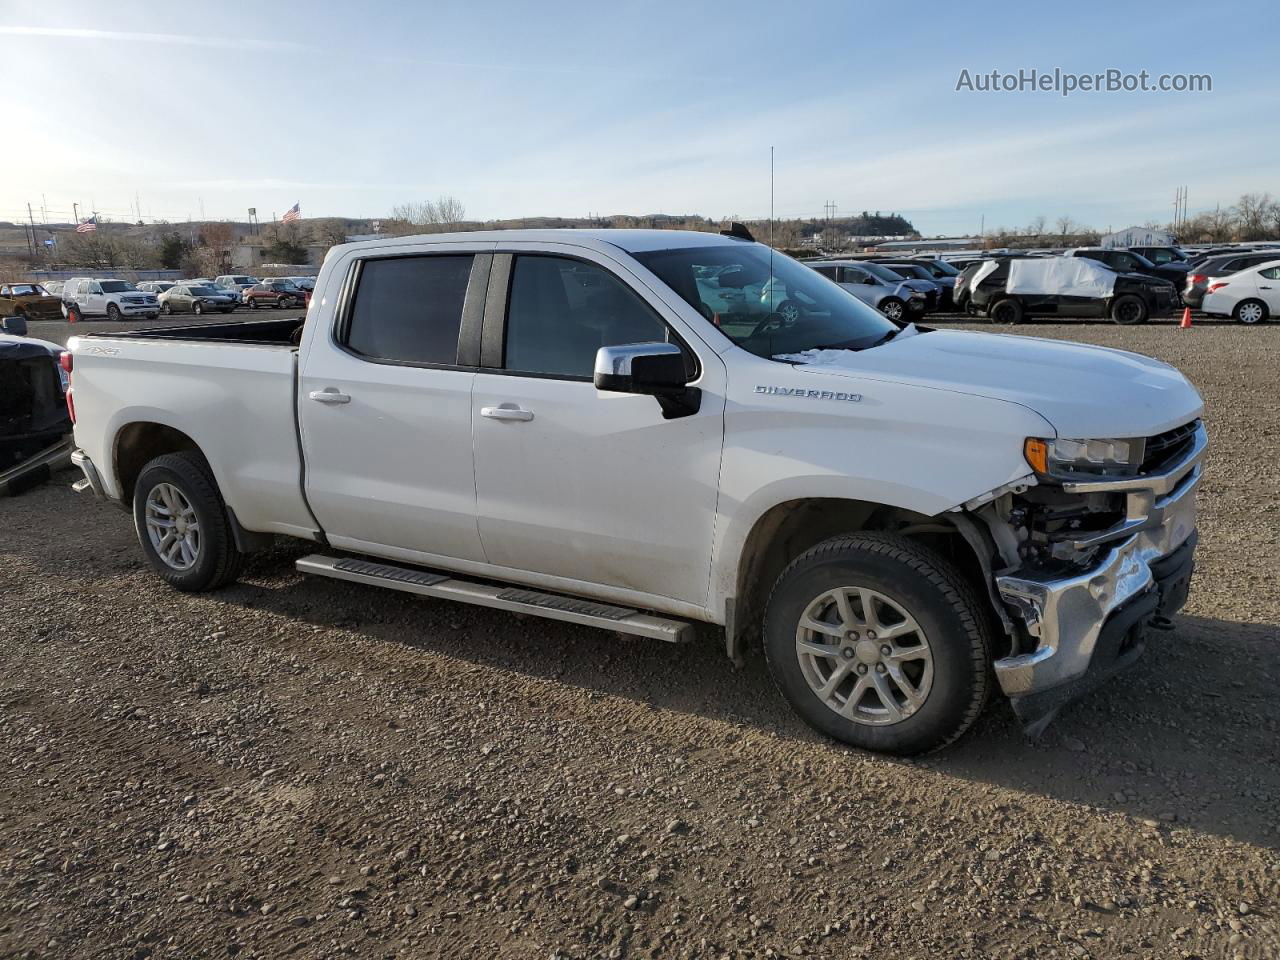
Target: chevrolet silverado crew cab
557,423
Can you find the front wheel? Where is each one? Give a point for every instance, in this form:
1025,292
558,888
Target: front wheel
182,523
1250,312
1128,310
167,310
113,313
880,643
893,308
197,308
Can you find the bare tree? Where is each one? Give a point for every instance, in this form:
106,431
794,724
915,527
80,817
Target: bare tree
443,213
1066,226
1251,213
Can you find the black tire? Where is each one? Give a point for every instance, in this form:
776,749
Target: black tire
1007,310
253,303
1253,316
1128,309
280,302
166,309
217,561
113,313
946,607
893,308
198,308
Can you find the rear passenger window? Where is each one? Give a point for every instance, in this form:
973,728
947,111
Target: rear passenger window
560,312
1272,273
409,308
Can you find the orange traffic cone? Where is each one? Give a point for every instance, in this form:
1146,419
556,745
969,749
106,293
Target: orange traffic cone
1186,319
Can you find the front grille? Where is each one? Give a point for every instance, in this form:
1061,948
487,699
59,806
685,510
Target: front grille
133,300
1167,446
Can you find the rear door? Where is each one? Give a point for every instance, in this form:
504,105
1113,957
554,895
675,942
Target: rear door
1269,288
385,407
579,485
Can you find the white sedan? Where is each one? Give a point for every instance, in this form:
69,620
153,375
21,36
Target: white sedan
1250,296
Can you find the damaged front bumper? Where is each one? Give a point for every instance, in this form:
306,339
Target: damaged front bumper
1089,625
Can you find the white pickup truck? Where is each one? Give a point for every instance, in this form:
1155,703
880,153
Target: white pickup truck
556,423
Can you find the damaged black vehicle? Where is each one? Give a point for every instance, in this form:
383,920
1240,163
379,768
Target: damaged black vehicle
35,423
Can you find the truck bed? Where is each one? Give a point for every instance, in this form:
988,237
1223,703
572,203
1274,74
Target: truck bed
275,332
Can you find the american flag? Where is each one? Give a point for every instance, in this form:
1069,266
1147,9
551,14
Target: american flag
292,214
88,226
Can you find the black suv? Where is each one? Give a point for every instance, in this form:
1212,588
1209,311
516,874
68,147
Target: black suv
1126,261
1134,298
1199,276
1161,255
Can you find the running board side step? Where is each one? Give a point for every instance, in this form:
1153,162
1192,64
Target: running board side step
535,603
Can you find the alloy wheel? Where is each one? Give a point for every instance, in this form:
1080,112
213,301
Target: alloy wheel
864,656
172,526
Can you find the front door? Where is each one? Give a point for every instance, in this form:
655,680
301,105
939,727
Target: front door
580,485
385,413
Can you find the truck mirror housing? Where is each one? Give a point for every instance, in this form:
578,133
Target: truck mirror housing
14,326
652,369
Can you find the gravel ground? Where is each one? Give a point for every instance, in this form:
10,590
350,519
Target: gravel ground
306,768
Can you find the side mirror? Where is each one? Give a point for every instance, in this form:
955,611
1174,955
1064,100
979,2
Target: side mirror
651,369
14,326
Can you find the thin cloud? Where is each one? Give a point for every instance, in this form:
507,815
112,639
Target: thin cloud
169,39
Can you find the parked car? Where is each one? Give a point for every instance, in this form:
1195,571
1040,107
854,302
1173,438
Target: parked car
29,300
273,293
197,299
1250,296
1206,273
85,297
1009,289
1126,261
155,286
910,269
879,288
35,425
236,281
899,514
303,283
53,287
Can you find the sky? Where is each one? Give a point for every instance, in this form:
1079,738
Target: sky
200,111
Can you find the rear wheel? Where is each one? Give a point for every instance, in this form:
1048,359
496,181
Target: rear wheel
1250,312
1007,310
880,643
1128,309
253,303
182,523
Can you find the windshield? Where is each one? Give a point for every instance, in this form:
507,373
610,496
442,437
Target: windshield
24,289
881,273
116,286
788,310
940,268
202,291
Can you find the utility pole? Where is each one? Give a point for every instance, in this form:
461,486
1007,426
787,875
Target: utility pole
32,217
75,214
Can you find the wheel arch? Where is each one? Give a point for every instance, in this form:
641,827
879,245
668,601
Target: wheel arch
789,528
137,444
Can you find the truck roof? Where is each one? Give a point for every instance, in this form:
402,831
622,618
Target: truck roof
632,241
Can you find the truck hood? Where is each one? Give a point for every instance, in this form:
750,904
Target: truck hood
1083,391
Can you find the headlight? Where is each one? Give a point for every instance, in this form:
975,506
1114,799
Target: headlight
1059,458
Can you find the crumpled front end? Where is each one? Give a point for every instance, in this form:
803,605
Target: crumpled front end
1089,590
